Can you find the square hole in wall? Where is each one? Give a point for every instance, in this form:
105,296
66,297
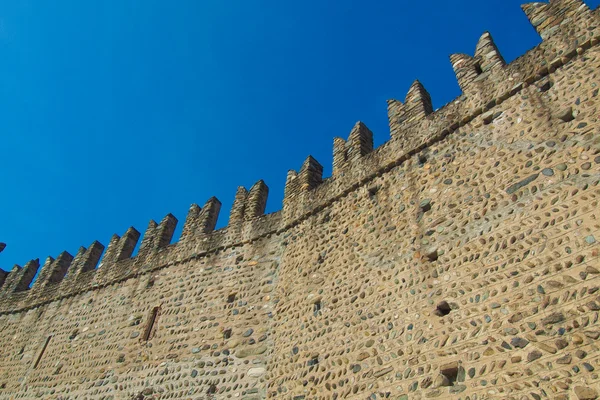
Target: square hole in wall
373,190
226,333
566,115
545,84
425,205
231,297
442,309
450,373
317,307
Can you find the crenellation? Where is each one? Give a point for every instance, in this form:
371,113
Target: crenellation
191,222
147,244
19,279
360,142
549,18
86,259
256,201
417,102
53,270
248,205
459,260
311,174
3,275
358,145
165,231
466,68
207,219
119,248
403,117
490,58
340,156
236,215
126,244
535,65
309,177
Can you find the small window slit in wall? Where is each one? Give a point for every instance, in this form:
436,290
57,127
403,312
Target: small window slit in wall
316,308
150,283
231,298
39,357
545,85
373,191
149,331
490,116
226,333
212,389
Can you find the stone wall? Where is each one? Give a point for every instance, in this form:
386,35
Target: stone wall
458,260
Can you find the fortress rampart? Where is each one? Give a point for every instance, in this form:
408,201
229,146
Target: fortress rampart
457,260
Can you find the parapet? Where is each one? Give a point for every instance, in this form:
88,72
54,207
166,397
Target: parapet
416,106
487,62
19,279
157,236
309,177
201,221
54,270
568,28
359,144
86,259
3,275
549,18
121,248
249,204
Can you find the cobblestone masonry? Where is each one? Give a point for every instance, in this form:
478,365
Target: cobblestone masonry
459,260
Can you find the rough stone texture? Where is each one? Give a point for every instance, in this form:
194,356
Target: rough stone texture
457,261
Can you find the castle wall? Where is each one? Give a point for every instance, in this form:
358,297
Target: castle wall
212,332
499,222
458,260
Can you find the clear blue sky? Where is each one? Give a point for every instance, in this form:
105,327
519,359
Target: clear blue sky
116,112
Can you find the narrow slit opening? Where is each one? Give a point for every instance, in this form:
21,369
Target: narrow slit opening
149,331
316,308
39,357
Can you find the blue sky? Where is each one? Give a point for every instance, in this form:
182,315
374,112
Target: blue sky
117,112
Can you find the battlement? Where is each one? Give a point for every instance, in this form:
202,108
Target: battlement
568,29
359,144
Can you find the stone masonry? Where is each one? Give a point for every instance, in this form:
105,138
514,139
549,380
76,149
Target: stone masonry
459,260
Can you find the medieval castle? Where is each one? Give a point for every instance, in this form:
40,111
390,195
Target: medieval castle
459,260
